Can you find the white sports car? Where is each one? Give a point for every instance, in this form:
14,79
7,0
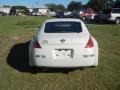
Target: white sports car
63,43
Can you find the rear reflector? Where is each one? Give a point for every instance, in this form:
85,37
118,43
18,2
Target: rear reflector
36,44
89,43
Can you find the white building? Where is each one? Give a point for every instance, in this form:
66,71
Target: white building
43,10
5,9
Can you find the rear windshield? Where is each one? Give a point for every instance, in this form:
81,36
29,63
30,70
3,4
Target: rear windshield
63,27
116,11
106,11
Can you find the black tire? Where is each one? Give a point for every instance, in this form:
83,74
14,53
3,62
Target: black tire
82,68
117,20
44,69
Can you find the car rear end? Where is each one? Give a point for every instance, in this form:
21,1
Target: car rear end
65,44
105,15
115,14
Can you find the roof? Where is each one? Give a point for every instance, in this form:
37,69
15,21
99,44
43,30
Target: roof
63,19
40,7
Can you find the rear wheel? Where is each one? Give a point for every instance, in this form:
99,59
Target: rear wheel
82,68
117,21
44,69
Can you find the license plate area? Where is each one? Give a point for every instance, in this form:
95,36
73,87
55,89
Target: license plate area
63,53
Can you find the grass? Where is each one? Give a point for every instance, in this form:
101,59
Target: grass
16,75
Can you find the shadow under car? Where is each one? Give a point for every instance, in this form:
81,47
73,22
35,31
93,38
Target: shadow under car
18,58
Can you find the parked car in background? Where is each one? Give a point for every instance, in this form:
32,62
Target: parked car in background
60,14
38,14
51,13
87,14
67,14
74,14
4,14
109,15
63,43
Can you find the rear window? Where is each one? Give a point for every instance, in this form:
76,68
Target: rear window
116,11
106,11
63,27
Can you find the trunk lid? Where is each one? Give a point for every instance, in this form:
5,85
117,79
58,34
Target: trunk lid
58,39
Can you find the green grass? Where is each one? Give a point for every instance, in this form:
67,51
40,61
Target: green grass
18,30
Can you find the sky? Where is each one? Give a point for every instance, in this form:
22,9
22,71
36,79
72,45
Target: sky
34,3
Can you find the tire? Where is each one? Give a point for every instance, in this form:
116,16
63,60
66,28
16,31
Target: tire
44,69
82,68
117,20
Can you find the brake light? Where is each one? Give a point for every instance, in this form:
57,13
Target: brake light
89,43
36,44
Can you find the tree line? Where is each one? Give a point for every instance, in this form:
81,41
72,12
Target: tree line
103,4
96,5
93,4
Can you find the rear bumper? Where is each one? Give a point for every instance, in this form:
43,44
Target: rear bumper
64,63
46,56
78,60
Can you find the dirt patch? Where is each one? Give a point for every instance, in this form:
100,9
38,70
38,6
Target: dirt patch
14,39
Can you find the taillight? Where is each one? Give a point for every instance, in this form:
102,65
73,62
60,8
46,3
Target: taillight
36,44
89,43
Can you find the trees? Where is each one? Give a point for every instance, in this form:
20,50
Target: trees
74,6
96,4
52,6
100,4
116,4
108,4
19,9
55,7
61,7
103,4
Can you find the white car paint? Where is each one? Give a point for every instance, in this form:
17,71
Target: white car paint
63,50
115,15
